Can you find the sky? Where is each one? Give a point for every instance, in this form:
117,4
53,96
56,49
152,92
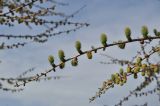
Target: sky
104,16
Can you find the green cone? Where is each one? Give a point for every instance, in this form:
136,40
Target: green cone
61,55
103,39
128,33
144,32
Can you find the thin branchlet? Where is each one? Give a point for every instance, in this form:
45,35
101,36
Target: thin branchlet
85,52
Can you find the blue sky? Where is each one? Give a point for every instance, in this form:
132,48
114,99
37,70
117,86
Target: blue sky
109,16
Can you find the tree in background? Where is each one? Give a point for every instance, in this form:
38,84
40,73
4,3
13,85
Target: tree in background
33,13
39,13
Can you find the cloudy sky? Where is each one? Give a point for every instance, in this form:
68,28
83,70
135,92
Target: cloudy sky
108,16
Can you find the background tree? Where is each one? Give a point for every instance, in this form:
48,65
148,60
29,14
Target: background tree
33,13
29,13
